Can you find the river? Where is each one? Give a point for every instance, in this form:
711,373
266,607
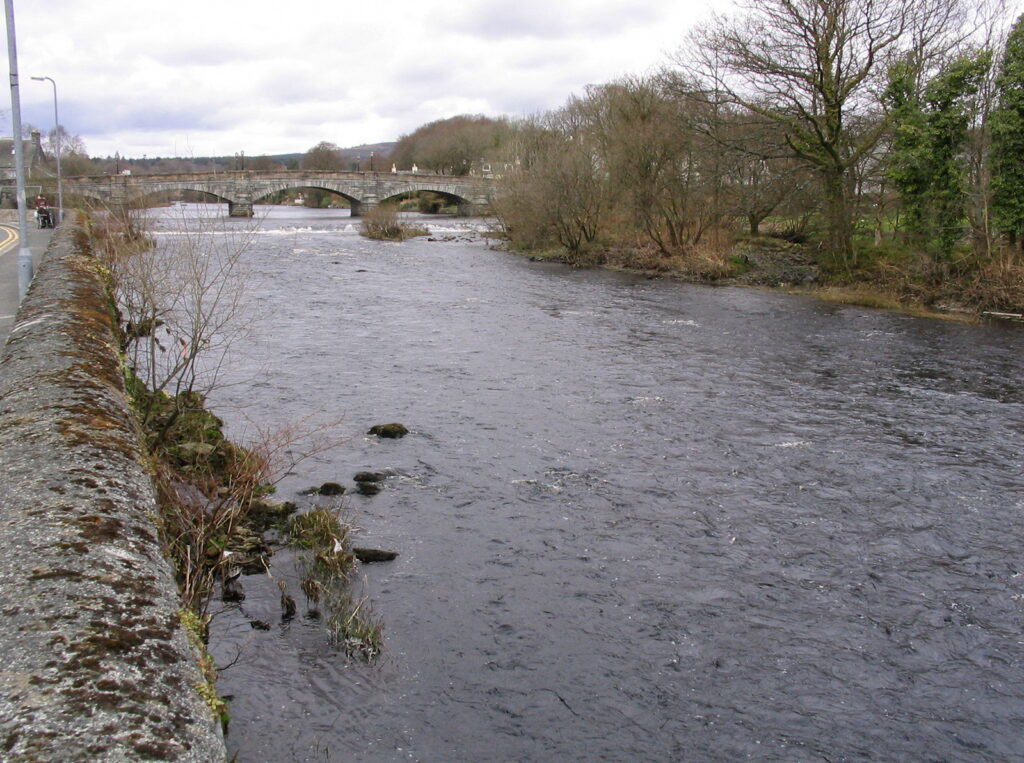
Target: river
636,519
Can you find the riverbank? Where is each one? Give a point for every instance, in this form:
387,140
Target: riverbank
795,268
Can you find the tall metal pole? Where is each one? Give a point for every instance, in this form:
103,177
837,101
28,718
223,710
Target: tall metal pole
56,133
24,253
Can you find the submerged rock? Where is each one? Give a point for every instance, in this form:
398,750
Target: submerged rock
264,514
248,552
369,477
368,488
331,488
231,591
393,430
369,555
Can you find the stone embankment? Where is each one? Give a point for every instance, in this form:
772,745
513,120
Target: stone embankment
94,661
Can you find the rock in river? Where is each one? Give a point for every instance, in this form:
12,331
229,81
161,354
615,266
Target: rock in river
367,555
369,477
331,488
368,488
393,430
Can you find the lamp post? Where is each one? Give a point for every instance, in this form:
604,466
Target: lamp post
56,133
24,253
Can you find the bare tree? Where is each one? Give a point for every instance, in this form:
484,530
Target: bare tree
664,173
182,301
451,146
557,189
324,156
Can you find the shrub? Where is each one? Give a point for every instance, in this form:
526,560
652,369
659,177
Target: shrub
382,223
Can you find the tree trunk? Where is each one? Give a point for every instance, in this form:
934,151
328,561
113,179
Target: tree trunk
755,224
837,211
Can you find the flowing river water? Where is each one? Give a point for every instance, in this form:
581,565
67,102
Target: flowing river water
636,519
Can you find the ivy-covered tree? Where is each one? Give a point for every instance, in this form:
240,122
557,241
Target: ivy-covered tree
927,164
1007,124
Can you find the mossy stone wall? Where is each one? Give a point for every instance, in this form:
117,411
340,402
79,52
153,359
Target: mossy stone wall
94,662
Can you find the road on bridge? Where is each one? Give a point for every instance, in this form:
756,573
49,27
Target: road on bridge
37,242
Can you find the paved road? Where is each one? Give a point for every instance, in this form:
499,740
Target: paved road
37,241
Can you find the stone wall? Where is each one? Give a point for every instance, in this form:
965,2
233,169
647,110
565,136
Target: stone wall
94,662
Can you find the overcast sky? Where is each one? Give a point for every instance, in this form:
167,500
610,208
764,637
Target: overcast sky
214,77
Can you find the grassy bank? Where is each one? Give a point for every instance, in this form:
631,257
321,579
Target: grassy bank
884,277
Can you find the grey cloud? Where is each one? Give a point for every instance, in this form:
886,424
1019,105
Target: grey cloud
432,75
288,87
541,59
90,117
502,20
199,54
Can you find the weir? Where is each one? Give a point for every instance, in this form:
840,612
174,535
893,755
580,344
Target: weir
96,663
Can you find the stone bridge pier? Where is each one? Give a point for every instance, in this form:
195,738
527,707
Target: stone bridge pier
240,209
360,208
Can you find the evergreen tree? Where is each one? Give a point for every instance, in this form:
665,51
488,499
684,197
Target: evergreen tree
909,159
927,165
1007,122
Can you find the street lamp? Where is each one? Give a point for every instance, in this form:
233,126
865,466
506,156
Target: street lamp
24,253
56,132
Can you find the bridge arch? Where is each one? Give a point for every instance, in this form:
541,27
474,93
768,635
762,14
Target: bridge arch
141,194
464,205
447,195
269,189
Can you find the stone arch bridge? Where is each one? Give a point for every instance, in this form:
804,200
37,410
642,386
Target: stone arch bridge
363,190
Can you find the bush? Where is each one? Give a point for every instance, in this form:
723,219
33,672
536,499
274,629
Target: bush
382,223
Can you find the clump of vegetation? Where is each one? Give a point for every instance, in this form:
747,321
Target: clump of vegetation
382,223
429,203
179,306
213,493
328,563
197,631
